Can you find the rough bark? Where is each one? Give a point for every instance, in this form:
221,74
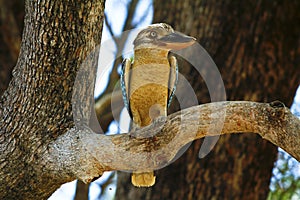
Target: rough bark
256,47
273,122
36,108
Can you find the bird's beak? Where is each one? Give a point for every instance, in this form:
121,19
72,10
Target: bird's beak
176,41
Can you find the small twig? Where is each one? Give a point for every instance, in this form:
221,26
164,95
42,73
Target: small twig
105,115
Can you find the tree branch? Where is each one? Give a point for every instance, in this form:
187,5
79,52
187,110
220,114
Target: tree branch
102,107
155,146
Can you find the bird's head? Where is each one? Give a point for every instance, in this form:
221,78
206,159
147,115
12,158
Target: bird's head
162,36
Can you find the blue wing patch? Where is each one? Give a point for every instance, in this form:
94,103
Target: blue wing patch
126,66
173,78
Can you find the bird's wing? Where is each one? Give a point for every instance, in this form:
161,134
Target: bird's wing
173,79
125,77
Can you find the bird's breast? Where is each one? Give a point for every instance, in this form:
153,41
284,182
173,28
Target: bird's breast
149,92
146,74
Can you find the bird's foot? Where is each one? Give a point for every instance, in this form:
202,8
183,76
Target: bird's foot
160,120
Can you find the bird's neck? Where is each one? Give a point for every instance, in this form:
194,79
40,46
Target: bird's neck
150,56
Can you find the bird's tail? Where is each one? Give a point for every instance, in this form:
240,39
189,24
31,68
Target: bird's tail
141,179
144,179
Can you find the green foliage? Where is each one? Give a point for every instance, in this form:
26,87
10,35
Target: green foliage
285,183
131,59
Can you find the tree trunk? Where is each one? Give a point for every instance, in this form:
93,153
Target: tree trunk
36,107
82,191
255,45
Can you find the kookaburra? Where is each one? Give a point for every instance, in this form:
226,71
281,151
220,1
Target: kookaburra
148,83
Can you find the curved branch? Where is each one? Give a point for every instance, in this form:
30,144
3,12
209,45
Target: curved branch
155,146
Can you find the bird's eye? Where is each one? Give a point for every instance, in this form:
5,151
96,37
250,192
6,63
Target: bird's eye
153,34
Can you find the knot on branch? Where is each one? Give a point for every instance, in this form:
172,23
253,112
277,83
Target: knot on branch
277,104
276,112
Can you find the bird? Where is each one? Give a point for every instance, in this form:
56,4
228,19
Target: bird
148,83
